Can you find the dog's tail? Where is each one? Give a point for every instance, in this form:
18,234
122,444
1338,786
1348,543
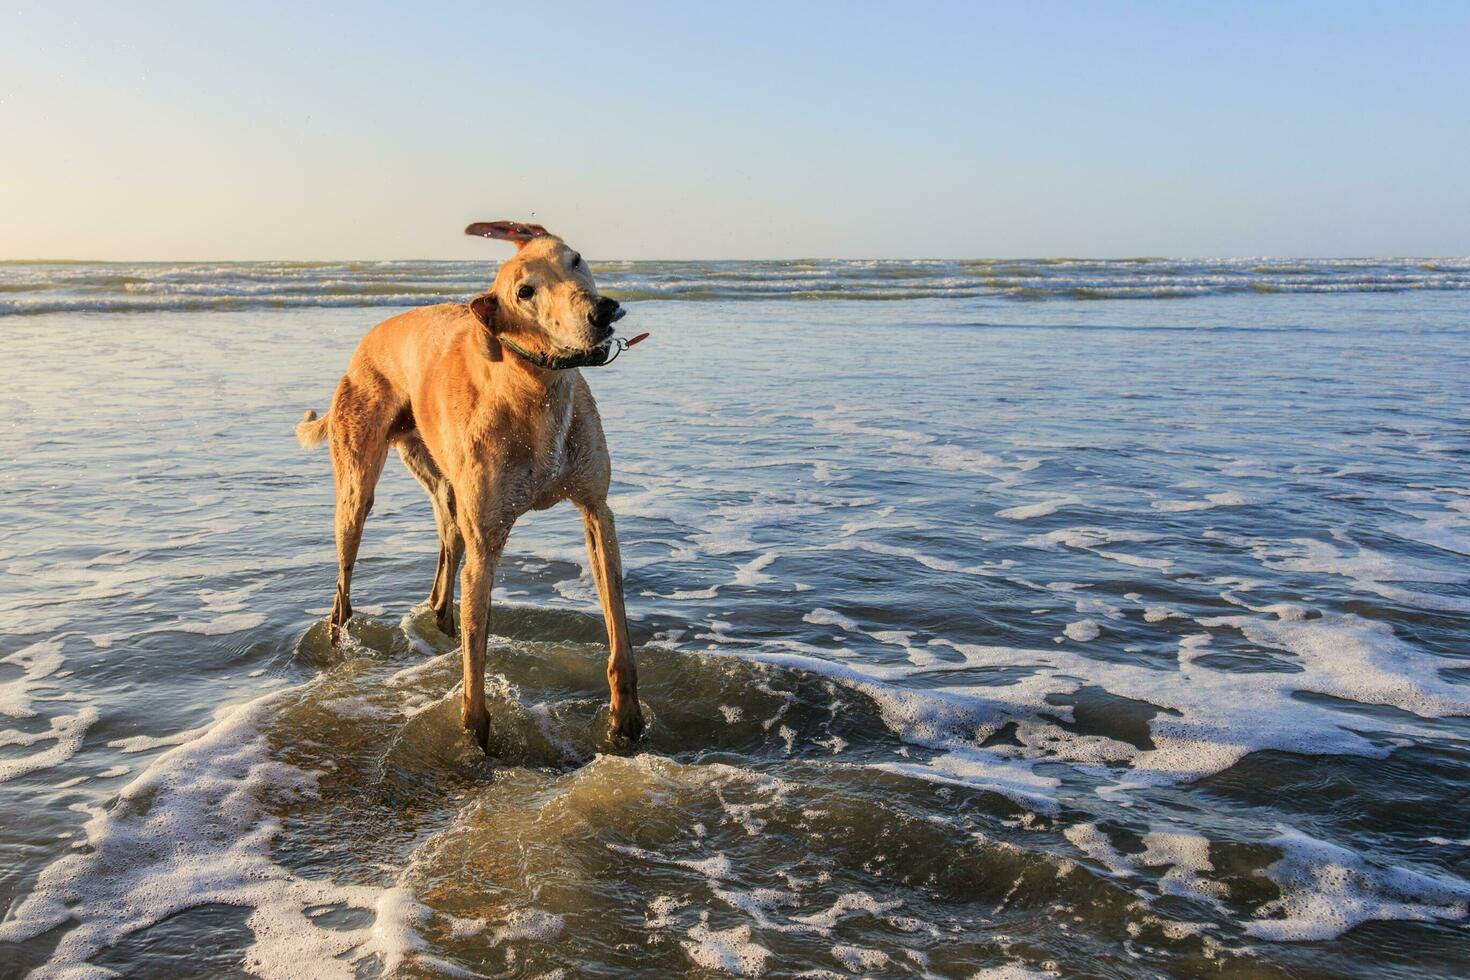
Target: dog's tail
312,431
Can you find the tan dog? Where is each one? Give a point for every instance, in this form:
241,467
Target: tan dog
460,390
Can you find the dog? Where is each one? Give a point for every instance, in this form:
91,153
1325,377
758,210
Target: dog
488,411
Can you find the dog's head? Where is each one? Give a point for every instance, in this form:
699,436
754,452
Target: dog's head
543,298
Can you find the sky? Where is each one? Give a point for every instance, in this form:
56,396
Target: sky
734,130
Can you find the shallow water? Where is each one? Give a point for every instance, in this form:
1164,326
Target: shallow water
1105,638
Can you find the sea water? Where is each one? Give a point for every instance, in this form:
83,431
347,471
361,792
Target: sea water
1033,618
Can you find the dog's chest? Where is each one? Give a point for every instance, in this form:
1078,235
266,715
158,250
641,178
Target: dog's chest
551,459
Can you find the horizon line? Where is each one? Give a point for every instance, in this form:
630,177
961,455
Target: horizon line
800,258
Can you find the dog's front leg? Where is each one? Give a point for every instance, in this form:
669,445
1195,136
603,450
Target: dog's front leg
482,553
607,572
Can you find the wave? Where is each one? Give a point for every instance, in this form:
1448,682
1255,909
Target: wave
834,811
28,288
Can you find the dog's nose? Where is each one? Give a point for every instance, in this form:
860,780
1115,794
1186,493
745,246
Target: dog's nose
606,312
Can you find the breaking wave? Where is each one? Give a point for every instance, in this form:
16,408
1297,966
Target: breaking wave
51,287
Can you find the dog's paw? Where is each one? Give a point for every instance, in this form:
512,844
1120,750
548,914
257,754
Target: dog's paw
627,726
478,725
337,621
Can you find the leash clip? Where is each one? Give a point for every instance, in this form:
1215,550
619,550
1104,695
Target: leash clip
623,345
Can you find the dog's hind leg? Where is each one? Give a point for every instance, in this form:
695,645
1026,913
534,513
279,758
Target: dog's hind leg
415,456
361,421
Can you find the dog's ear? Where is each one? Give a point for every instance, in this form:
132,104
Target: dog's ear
484,308
507,231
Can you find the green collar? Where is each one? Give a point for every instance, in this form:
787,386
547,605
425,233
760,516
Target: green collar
597,356
593,357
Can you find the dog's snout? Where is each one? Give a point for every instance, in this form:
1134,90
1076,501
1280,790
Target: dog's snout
606,312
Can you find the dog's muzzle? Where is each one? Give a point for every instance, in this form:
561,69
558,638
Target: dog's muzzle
604,314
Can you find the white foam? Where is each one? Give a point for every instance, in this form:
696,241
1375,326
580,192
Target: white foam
529,924
221,625
934,719
903,639
1100,607
1083,630
758,904
1137,561
1367,570
1011,971
36,662
39,662
859,959
1448,530
728,950
193,829
1349,657
661,911
230,600
397,916
896,551
1327,889
680,595
750,573
882,519
1040,509
822,471
66,731
716,868
577,591
1210,501
1208,720
827,617
1097,541
1187,857
1090,840
847,905
1085,538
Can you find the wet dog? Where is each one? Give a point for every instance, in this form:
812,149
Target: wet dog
483,405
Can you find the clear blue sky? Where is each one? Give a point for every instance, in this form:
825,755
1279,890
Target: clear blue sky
262,130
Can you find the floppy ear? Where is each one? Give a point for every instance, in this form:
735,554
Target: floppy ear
484,307
507,231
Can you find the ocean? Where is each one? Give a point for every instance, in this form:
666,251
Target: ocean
1032,618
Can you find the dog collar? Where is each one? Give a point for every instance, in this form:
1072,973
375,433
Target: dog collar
593,357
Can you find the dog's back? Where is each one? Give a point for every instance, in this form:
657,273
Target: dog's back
395,354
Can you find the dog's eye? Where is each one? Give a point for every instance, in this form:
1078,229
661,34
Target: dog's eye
576,261
526,292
